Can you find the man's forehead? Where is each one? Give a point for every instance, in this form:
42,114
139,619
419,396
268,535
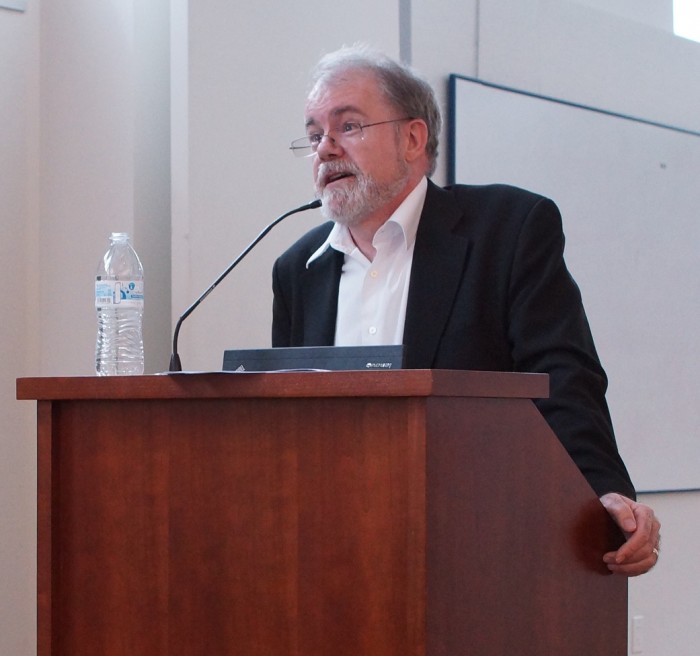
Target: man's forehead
356,91
333,112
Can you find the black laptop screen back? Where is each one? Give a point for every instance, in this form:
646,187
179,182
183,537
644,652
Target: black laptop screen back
332,358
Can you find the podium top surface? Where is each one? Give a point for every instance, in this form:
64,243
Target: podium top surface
398,383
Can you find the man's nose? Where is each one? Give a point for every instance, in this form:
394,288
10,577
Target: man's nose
328,147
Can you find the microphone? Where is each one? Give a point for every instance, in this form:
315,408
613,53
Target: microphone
175,364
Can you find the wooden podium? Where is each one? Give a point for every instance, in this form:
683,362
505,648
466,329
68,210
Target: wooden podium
397,513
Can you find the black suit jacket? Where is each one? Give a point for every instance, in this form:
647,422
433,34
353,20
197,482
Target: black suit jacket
489,290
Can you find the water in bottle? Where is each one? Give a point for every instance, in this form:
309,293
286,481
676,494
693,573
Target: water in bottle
119,306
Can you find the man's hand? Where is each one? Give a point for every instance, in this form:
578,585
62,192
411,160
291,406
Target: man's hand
641,527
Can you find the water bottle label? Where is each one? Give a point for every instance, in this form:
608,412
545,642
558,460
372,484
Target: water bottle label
125,293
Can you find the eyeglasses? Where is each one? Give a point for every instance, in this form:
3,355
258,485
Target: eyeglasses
348,131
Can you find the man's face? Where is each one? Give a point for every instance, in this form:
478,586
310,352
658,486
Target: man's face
359,177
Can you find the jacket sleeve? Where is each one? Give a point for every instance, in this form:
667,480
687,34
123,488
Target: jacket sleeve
549,333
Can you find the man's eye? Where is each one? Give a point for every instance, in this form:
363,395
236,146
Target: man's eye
315,138
349,127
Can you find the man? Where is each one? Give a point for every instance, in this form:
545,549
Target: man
465,277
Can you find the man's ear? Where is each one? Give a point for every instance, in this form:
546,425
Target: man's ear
416,133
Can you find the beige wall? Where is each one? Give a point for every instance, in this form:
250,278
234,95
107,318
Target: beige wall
88,145
19,102
245,77
105,166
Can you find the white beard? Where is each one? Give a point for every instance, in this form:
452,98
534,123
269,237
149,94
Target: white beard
350,203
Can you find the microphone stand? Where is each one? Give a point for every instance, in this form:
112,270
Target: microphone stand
175,364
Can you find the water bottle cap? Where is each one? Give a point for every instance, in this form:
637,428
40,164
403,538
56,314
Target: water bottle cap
119,236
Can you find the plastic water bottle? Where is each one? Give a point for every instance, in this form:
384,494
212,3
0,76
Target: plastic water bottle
119,306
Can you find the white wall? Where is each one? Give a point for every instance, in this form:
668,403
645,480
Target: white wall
84,150
104,167
244,73
667,600
19,101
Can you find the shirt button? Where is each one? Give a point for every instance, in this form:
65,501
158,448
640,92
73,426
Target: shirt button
373,274
372,330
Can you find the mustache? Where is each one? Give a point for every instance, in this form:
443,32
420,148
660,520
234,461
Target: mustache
328,169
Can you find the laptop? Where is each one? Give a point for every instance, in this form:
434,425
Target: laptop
325,358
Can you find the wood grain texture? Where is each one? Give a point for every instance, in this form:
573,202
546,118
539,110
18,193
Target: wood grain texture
415,382
293,524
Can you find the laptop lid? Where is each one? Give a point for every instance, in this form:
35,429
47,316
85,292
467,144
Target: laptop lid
333,358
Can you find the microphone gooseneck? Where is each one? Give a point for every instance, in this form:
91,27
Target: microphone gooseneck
175,364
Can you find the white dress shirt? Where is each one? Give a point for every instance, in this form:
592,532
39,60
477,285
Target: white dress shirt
372,295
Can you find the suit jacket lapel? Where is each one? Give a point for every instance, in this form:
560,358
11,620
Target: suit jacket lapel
320,298
439,259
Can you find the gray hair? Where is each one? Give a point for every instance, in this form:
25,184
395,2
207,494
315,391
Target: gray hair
405,90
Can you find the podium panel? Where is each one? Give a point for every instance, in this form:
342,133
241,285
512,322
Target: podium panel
347,513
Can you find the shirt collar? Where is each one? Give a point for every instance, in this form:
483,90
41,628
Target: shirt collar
406,215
